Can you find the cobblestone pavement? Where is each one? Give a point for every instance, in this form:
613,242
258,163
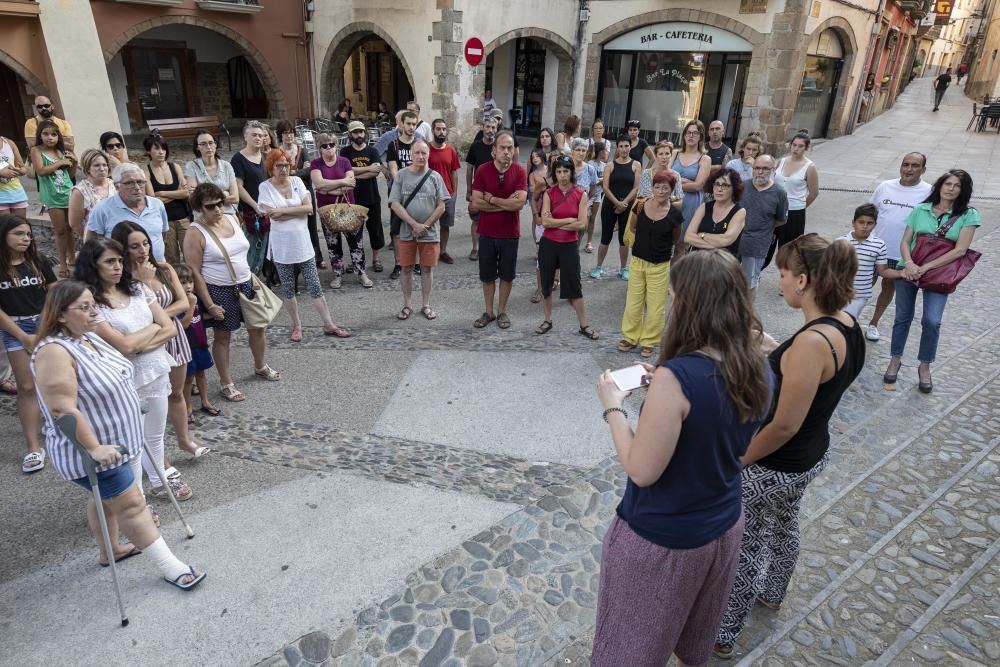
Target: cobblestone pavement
901,532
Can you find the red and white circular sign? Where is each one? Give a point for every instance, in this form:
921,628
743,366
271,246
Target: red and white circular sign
474,51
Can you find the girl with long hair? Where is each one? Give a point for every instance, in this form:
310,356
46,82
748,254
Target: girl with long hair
54,167
813,369
671,552
25,277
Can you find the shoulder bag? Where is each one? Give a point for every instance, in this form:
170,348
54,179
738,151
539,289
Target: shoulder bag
261,308
409,198
944,279
629,235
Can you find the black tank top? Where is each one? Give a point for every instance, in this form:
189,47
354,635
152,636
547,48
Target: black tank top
176,208
710,226
807,447
622,180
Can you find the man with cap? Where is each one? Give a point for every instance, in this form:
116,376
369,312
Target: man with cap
367,166
639,147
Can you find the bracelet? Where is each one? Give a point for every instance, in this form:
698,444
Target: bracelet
610,410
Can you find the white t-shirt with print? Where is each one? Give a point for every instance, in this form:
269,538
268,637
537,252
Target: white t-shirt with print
894,203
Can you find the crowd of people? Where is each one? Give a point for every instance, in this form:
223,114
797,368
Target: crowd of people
150,258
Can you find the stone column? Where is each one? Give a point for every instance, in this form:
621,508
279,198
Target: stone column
79,72
775,77
457,91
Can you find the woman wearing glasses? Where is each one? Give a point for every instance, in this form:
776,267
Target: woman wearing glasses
694,166
208,167
113,145
215,286
719,221
287,202
813,369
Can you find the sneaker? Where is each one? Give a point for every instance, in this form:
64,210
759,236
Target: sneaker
335,283
871,333
396,270
623,274
365,280
416,270
597,272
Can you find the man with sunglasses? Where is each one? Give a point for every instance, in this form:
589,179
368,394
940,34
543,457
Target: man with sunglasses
45,111
367,166
130,204
499,191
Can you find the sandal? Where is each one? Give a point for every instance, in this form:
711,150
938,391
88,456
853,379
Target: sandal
544,327
267,373
172,472
231,393
473,256
199,451
339,332
483,320
589,333
190,417
625,346
536,298
135,551
503,321
9,386
211,410
427,312
405,313
33,462
589,248
377,266
646,352
197,578
296,336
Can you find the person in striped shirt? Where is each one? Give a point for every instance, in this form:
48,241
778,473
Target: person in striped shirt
872,258
77,373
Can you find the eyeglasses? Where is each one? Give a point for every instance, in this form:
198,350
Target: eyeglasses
132,184
717,184
214,206
282,165
85,308
326,146
113,146
692,133
763,169
206,144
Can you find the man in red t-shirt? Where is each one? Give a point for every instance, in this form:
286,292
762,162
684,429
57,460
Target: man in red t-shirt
444,160
499,191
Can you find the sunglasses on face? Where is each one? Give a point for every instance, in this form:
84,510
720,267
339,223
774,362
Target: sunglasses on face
327,146
214,206
112,147
43,106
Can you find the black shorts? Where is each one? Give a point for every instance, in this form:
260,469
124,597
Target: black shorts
608,221
553,255
497,257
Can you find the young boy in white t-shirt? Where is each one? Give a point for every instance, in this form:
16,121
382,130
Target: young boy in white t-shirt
871,252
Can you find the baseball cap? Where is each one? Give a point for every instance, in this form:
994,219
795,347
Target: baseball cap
356,125
496,113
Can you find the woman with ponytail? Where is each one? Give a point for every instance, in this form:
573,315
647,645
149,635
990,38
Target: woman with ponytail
813,368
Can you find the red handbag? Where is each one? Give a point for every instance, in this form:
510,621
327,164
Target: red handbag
943,279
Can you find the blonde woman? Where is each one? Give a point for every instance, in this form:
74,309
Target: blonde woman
95,187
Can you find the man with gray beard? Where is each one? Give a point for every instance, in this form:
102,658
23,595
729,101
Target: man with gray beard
766,204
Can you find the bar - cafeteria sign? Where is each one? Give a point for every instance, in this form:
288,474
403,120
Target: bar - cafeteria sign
943,10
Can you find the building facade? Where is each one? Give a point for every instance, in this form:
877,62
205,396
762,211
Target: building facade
984,64
951,39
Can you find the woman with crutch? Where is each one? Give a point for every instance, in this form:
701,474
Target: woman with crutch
77,373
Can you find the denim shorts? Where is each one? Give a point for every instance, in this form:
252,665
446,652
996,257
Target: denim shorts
28,326
113,482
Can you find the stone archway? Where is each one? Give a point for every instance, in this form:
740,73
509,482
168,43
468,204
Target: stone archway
563,52
275,99
26,75
599,39
337,53
841,106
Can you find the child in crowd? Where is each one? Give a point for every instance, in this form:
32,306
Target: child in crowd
871,252
201,358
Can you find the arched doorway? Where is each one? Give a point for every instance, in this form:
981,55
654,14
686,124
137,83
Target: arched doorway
820,83
363,65
17,87
529,73
174,70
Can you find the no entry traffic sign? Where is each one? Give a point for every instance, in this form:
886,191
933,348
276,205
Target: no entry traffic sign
474,51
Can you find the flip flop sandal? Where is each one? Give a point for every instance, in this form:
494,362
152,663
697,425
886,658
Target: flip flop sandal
589,333
427,312
589,248
9,386
135,552
267,373
536,298
339,332
483,320
646,352
544,327
189,585
625,346
172,473
503,321
231,393
211,409
33,462
405,313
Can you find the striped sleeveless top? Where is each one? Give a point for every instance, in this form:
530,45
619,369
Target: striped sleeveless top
177,347
106,397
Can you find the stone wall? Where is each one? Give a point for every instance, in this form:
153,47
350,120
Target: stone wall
212,86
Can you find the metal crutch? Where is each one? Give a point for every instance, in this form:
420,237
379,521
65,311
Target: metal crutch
67,424
166,483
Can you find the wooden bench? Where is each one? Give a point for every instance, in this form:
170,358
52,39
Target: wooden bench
186,127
